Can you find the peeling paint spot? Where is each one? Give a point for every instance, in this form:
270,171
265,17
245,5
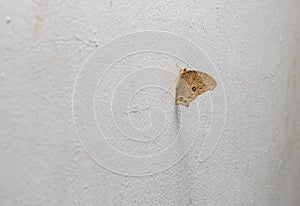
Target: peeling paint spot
37,25
8,20
40,17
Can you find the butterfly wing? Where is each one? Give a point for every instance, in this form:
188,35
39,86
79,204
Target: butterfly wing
184,94
191,84
209,82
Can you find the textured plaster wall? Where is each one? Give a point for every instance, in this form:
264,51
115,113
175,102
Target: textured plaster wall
255,48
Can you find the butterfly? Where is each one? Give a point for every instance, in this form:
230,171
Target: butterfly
192,83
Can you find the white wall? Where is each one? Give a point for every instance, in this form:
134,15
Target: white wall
238,145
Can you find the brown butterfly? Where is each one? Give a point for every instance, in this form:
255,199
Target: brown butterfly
192,83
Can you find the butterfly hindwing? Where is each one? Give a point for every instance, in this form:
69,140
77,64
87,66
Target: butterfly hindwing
184,95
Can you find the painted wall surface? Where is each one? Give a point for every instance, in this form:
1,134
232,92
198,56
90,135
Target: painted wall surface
87,114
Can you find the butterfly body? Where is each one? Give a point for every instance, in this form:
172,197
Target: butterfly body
192,83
